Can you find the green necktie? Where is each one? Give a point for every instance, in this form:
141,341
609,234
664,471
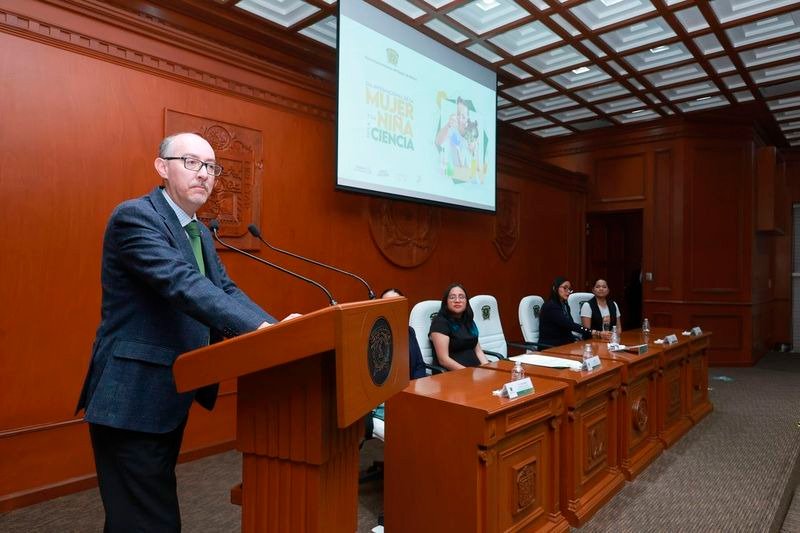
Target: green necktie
193,230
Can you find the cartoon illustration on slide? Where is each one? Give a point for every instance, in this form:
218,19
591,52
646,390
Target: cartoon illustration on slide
462,152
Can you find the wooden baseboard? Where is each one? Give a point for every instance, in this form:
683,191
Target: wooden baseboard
21,499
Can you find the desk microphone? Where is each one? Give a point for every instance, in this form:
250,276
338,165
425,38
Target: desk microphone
214,225
257,233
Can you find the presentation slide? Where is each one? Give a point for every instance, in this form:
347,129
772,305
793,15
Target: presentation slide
409,125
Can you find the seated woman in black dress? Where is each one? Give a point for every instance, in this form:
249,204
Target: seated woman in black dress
453,332
555,322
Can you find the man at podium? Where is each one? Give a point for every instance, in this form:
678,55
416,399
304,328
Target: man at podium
165,292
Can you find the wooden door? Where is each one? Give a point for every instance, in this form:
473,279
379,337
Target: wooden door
614,253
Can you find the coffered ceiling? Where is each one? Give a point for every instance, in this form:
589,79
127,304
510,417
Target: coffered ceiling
566,66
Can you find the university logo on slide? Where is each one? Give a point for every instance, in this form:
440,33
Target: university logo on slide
392,56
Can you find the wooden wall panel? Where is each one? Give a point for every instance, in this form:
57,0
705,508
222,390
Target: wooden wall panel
731,325
782,273
717,222
620,178
707,262
81,127
665,255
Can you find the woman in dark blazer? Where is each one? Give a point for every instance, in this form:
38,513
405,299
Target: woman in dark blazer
555,323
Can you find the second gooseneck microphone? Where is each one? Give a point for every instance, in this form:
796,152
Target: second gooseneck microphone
257,234
214,225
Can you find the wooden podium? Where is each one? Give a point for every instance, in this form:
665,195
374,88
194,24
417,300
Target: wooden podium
304,386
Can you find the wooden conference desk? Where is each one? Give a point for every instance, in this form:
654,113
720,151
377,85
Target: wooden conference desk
638,406
458,458
681,398
696,403
590,472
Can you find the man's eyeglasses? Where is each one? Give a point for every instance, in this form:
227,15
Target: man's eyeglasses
457,297
194,164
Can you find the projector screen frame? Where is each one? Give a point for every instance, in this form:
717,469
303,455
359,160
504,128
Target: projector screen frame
457,60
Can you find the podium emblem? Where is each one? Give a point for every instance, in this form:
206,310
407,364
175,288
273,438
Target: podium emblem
379,351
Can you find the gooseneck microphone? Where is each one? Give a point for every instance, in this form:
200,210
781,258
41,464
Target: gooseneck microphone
214,225
257,234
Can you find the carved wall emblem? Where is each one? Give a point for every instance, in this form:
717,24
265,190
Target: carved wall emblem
536,309
379,351
506,225
486,312
405,233
526,487
236,199
640,414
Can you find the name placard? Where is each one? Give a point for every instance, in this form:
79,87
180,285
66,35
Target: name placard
519,387
639,349
697,331
671,339
591,363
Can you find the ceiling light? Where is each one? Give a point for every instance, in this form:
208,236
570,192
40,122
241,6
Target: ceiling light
658,49
580,70
486,5
637,111
609,3
703,98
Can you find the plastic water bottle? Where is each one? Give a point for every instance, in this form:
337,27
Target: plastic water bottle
614,335
646,327
517,372
587,354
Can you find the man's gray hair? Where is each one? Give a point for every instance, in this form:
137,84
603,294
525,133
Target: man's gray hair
163,148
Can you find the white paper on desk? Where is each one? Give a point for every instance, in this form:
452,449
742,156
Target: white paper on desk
546,360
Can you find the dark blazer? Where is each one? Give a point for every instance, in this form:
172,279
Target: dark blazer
555,327
156,305
416,365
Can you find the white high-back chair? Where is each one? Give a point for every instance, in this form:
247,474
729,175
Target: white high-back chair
490,329
529,308
575,302
420,319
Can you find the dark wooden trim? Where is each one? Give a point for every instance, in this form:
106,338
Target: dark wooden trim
21,499
16,432
698,302
46,32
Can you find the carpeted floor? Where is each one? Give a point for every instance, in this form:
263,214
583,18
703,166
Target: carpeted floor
735,471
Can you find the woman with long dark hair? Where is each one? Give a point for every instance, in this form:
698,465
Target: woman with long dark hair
453,332
555,323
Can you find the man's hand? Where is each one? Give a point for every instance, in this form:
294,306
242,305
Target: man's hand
289,317
264,325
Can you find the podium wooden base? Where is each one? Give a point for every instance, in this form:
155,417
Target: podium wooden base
299,470
304,386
